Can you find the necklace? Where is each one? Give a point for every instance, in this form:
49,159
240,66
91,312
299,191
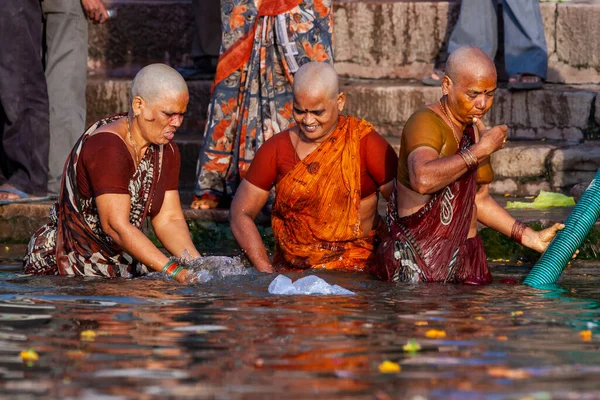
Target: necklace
313,167
454,135
135,150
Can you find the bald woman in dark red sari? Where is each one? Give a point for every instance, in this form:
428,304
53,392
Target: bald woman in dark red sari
442,184
122,170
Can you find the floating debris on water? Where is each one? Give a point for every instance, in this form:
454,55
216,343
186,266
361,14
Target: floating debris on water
389,367
412,346
435,334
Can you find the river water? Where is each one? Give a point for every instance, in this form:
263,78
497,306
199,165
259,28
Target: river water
150,338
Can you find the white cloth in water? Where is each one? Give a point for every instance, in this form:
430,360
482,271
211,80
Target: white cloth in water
311,284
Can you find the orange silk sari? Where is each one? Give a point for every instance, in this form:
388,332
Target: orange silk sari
315,218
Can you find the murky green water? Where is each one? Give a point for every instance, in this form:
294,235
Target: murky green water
153,339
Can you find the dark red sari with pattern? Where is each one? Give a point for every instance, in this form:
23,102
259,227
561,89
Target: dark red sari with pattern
431,245
73,242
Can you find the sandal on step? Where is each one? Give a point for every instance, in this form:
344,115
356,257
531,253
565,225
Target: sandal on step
521,82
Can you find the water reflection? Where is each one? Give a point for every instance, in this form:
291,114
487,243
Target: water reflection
150,338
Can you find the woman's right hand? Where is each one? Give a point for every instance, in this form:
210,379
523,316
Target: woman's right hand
490,140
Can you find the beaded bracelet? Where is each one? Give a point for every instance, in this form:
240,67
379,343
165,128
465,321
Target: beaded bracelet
517,231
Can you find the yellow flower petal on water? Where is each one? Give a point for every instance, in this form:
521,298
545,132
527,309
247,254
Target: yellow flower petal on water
586,336
421,323
516,313
502,338
479,318
412,346
29,355
88,336
506,194
389,367
435,334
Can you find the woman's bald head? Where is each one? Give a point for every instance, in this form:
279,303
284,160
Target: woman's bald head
157,81
317,77
469,62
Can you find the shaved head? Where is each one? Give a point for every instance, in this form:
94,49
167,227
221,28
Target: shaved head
317,77
469,61
156,81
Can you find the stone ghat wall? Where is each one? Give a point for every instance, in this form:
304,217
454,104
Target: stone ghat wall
373,39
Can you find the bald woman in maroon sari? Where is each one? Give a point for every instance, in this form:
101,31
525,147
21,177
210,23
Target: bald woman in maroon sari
442,184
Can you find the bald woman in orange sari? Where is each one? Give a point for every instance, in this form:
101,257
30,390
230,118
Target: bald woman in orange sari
328,172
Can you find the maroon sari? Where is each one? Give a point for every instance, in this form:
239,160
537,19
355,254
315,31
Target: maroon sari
431,245
73,242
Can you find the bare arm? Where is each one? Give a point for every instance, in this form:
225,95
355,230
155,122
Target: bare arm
386,189
428,173
171,228
113,210
247,203
491,214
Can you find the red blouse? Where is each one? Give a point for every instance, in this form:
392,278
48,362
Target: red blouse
277,156
105,166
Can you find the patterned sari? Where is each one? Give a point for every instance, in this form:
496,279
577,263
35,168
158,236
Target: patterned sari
431,245
315,218
264,43
73,242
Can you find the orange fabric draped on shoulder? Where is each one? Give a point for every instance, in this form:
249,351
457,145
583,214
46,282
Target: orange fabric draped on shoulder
238,54
315,219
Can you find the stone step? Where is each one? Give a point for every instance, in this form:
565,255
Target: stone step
557,112
551,131
373,38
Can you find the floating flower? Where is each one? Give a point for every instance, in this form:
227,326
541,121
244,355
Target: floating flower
516,313
586,336
88,336
29,357
502,338
389,367
412,346
435,334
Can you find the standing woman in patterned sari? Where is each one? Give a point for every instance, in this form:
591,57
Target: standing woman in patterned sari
264,44
123,169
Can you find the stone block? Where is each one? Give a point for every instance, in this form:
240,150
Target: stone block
554,113
576,45
390,39
142,33
574,164
521,160
515,187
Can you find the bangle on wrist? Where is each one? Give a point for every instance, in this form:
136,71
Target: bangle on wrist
169,267
517,231
176,272
468,157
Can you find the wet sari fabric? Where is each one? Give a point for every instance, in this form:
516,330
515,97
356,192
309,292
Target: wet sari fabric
431,245
315,218
73,242
264,43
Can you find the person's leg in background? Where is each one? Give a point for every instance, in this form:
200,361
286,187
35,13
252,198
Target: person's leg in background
477,25
525,51
24,129
206,44
66,50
